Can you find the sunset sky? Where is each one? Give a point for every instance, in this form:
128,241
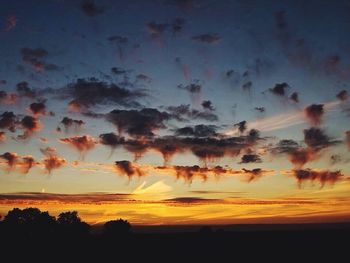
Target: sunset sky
176,111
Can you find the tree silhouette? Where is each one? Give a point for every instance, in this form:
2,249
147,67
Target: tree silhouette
118,227
70,223
29,222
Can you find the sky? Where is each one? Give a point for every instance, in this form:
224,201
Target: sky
167,112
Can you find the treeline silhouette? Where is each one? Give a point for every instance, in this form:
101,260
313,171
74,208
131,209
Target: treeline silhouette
31,223
32,230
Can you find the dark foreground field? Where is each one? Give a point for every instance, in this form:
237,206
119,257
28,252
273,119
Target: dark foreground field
255,242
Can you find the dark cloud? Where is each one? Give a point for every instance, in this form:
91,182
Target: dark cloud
27,163
191,88
207,104
36,58
316,139
207,38
247,86
118,71
347,138
111,140
37,108
24,90
343,95
144,78
323,177
294,97
242,126
279,89
167,146
192,200
81,143
8,98
314,113
260,109
184,112
197,131
90,8
89,92
30,125
129,169
138,122
10,158
8,121
254,174
250,158
118,39
68,123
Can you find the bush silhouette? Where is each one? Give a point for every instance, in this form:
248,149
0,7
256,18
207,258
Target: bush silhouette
118,227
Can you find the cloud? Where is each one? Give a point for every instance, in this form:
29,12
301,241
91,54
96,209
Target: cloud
207,38
10,158
13,160
90,8
167,146
81,143
8,121
37,108
314,113
138,123
51,161
323,177
24,90
2,136
195,90
250,158
84,198
184,112
35,57
316,139
90,92
294,97
260,109
30,125
118,71
200,130
207,104
347,138
279,89
8,98
254,174
343,95
242,126
68,123
281,120
128,169
118,39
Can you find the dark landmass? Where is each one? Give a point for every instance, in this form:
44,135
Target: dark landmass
30,234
